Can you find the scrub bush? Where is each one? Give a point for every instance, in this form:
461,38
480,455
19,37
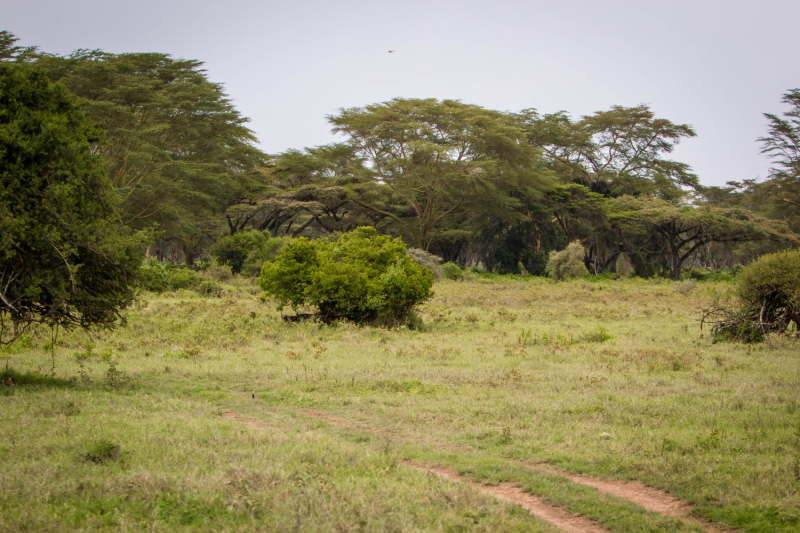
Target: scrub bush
360,276
452,271
767,300
568,263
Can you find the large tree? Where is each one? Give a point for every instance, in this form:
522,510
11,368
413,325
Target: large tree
656,230
444,159
175,148
782,144
65,257
614,152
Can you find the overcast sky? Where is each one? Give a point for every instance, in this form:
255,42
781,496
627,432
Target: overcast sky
717,65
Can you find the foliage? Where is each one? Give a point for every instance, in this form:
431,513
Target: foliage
359,276
619,151
426,260
65,258
442,159
783,145
568,263
246,252
768,300
452,271
101,451
158,276
175,148
10,52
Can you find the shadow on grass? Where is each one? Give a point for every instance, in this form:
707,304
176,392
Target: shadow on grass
10,378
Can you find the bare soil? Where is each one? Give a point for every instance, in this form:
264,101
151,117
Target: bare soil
563,520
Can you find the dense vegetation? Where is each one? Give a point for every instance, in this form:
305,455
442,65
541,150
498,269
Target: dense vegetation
65,257
468,184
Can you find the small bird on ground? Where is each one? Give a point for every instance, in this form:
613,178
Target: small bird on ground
254,396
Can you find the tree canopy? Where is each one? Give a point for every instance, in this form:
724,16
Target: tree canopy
441,158
65,257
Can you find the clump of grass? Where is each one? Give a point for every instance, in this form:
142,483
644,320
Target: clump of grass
597,334
101,451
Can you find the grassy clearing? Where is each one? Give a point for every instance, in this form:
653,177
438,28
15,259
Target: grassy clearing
609,379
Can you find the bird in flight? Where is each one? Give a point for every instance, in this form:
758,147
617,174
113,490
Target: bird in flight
391,51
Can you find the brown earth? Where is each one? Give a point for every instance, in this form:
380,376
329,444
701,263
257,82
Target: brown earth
563,520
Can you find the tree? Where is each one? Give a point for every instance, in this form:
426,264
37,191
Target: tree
443,159
9,51
175,148
658,228
782,144
614,152
65,258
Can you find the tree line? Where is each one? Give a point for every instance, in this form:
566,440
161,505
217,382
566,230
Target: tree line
468,184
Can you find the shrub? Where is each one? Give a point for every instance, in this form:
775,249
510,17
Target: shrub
568,263
452,271
426,260
246,252
156,276
767,300
359,276
209,288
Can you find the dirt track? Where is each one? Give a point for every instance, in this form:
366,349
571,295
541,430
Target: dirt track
649,498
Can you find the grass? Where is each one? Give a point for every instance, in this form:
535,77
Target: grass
606,378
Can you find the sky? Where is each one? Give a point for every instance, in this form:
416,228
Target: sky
716,65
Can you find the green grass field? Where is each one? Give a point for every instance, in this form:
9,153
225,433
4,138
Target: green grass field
155,426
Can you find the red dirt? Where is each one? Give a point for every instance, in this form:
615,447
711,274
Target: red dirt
560,518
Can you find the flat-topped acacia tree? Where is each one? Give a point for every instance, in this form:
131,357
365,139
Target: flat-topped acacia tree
65,257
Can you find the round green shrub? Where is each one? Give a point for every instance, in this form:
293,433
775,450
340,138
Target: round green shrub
772,283
452,271
359,276
568,263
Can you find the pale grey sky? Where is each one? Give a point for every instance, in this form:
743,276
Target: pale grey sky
714,64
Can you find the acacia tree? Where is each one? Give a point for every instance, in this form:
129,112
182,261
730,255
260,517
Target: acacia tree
782,144
660,230
175,148
443,159
614,152
65,257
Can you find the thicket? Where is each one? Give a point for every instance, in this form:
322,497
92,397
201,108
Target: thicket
360,276
766,300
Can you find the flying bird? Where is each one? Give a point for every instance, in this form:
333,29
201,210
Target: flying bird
391,51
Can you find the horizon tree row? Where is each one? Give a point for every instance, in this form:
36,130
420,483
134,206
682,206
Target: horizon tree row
457,180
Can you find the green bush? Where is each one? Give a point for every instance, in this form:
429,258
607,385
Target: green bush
568,263
771,283
452,271
767,300
157,276
209,288
359,276
246,252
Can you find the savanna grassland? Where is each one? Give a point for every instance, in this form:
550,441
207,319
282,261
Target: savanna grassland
213,414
